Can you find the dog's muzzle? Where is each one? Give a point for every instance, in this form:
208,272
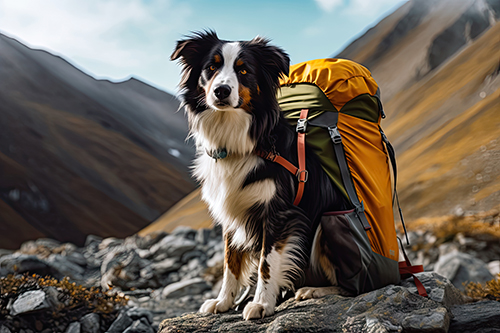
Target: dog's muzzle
222,92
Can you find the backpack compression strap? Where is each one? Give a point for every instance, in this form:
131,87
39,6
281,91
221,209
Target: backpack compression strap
300,172
301,151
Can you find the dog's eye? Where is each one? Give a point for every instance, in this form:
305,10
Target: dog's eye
243,71
212,68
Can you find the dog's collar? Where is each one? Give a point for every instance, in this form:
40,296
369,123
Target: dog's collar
217,154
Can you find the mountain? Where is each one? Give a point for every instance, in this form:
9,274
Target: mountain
82,156
438,65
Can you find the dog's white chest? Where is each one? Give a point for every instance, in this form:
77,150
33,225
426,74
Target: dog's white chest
222,189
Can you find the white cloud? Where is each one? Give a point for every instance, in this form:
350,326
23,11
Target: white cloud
329,5
112,38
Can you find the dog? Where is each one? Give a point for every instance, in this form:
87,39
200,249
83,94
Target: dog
229,93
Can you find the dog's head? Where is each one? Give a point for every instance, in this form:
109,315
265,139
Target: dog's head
222,75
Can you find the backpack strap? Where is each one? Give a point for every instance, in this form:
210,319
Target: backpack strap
301,151
329,121
406,270
392,156
300,172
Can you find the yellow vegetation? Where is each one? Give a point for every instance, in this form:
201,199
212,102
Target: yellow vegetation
71,295
446,227
491,290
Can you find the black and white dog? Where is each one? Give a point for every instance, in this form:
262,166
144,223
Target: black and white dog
229,91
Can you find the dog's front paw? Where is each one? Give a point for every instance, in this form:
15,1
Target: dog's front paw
311,292
256,311
215,306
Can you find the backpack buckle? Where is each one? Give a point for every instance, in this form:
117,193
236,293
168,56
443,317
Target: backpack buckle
301,125
335,135
302,176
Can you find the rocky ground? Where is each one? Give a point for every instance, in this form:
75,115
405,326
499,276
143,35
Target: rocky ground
149,279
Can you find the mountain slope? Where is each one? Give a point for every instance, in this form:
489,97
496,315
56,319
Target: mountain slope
82,156
438,71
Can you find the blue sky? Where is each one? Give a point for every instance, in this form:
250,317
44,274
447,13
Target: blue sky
116,39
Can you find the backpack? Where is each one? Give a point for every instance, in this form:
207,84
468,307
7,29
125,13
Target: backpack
335,106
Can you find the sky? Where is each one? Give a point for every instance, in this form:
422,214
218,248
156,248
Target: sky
117,39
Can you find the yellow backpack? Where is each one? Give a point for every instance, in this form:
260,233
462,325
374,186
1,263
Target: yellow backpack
343,129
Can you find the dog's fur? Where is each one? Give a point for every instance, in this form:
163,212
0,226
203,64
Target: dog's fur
229,91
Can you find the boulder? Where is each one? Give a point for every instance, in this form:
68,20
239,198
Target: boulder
187,287
29,301
74,327
460,268
476,318
90,323
439,288
494,267
138,313
140,326
4,329
389,309
121,323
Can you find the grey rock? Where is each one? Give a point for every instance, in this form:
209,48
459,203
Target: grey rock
439,288
120,324
461,267
4,329
121,268
476,318
140,326
494,267
427,320
185,232
110,242
196,254
146,273
90,323
187,287
74,327
29,301
165,266
21,263
173,246
446,248
65,267
203,236
92,240
390,309
77,258
149,240
217,258
138,313
4,252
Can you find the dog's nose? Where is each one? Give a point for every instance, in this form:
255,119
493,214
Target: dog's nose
222,91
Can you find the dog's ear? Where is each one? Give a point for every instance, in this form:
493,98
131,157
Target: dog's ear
273,60
194,47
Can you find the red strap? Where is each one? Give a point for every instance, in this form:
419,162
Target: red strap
301,171
301,150
406,270
278,159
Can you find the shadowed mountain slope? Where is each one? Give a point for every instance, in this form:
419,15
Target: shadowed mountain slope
82,156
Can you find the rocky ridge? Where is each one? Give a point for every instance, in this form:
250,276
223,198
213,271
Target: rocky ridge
167,275
161,276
